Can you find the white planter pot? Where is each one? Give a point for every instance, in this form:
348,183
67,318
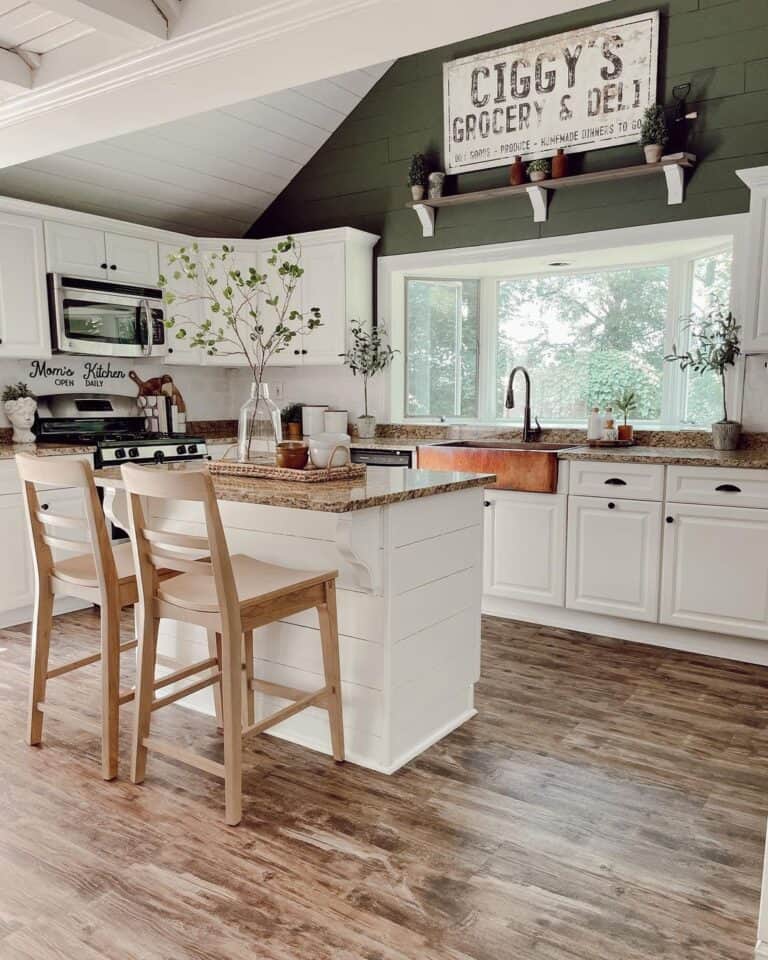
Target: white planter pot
417,191
652,152
436,183
726,434
535,175
366,427
21,413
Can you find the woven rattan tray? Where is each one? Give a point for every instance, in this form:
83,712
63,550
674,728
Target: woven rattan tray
265,469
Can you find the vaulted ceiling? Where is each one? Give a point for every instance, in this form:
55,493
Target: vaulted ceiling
211,174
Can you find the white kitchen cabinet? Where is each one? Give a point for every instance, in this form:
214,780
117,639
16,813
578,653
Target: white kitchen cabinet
88,252
613,557
324,286
716,569
16,572
179,350
750,282
24,324
525,546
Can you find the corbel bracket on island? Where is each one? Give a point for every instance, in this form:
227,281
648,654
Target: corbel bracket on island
672,167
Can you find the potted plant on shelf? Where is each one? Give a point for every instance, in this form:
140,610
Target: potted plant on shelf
715,349
292,417
625,403
653,132
369,355
538,169
417,176
20,405
235,299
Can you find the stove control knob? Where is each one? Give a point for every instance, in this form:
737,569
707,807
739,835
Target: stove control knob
192,448
133,452
159,456
119,454
181,449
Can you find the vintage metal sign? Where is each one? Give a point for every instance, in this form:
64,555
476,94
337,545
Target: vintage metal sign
580,90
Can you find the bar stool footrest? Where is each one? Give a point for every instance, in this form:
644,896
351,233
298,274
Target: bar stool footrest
316,699
174,752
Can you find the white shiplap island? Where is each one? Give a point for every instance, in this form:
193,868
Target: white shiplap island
408,548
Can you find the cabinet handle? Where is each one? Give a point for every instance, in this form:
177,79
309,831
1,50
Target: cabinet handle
303,352
670,519
616,482
728,488
103,266
296,352
486,503
113,266
611,506
44,506
170,349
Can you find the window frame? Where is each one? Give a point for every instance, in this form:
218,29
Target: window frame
674,380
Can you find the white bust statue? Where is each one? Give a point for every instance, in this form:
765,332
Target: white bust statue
21,413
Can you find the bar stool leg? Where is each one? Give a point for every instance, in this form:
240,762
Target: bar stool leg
214,650
329,635
41,642
145,682
110,688
249,710
231,701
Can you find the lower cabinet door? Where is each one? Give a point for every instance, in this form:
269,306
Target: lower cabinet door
525,546
613,557
16,573
716,569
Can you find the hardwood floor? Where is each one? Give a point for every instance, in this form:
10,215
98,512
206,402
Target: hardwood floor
608,803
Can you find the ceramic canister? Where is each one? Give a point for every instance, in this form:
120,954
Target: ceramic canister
336,421
312,420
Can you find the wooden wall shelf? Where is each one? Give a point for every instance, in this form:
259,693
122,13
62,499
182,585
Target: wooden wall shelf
672,167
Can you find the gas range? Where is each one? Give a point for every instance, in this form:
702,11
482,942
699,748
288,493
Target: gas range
154,449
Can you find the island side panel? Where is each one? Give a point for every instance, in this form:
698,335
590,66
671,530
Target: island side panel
434,560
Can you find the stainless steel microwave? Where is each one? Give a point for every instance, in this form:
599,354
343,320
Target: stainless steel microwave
106,319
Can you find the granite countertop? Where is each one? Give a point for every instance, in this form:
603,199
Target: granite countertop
381,486
375,443
755,458
9,450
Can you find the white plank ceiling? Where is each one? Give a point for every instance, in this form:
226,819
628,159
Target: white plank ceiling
27,26
209,175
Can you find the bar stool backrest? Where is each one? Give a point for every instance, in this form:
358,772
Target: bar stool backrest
52,531
156,548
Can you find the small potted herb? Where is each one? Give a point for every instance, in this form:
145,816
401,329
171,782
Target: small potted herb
538,169
292,420
20,406
716,347
417,176
653,132
368,356
625,403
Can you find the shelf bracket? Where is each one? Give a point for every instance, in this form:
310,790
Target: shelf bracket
539,198
426,217
675,177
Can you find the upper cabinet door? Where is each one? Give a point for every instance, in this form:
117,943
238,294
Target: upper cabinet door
24,325
131,259
76,251
324,285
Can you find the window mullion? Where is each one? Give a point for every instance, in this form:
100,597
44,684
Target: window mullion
674,380
487,351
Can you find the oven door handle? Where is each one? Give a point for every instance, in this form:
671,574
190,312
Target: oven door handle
147,310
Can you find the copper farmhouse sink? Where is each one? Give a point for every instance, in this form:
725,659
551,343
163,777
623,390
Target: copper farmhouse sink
529,467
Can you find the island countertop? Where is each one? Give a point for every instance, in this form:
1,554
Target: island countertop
380,486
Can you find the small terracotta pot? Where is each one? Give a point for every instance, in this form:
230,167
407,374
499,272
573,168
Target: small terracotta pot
293,431
559,164
517,172
537,175
626,431
291,454
652,152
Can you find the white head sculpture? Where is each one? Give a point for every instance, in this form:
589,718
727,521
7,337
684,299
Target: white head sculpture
21,413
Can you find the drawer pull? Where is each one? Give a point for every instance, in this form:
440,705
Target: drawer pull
670,519
486,503
728,488
616,482
611,506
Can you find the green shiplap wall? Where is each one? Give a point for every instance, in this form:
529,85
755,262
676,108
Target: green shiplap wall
358,177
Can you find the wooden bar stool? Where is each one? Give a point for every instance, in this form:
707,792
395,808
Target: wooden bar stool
229,597
99,573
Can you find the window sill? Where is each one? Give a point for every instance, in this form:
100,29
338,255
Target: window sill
551,425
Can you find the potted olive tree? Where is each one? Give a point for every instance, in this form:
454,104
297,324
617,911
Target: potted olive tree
417,176
716,347
653,132
368,356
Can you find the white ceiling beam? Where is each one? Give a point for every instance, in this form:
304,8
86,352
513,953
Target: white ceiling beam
136,20
15,73
170,9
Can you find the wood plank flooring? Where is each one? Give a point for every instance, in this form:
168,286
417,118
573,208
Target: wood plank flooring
608,803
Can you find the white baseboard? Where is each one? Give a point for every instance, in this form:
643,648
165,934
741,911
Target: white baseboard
12,618
761,950
656,634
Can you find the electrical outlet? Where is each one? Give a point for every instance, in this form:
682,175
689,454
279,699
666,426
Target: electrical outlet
277,391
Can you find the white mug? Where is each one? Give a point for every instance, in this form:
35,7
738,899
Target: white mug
312,421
